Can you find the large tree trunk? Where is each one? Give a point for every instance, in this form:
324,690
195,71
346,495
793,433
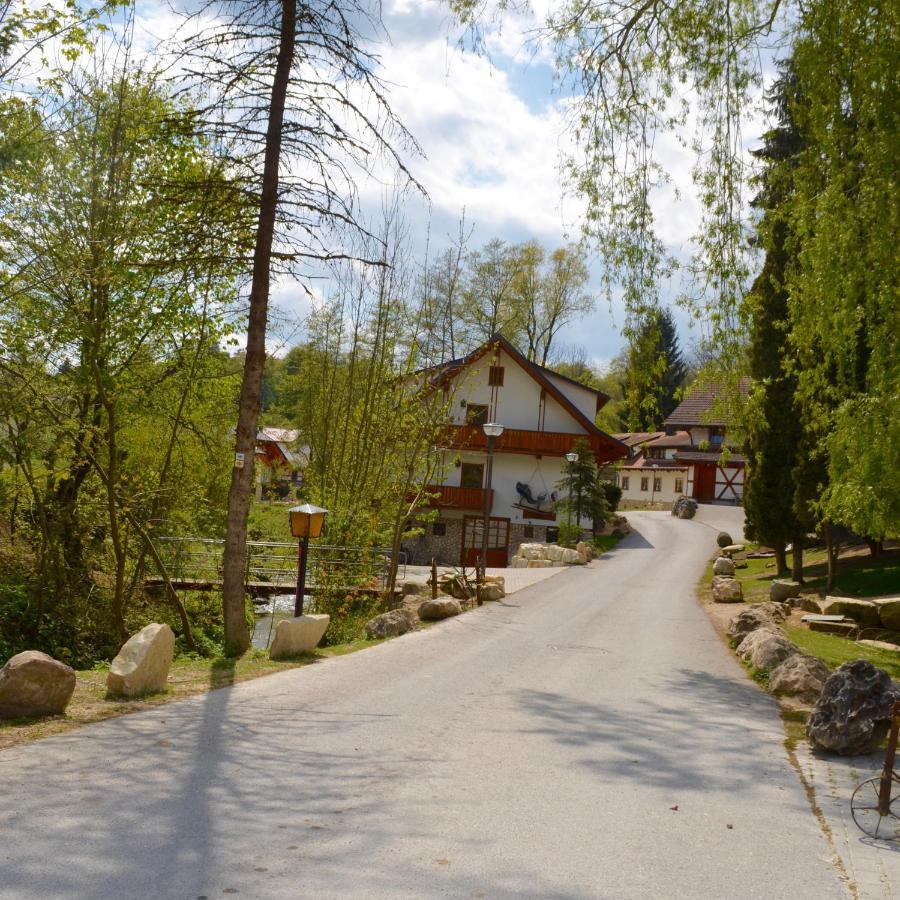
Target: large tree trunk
797,559
237,638
781,565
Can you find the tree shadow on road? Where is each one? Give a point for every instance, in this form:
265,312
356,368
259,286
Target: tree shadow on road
697,732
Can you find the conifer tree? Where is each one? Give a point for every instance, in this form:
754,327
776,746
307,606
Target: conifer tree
656,370
774,428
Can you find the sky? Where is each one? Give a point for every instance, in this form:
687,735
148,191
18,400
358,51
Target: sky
491,127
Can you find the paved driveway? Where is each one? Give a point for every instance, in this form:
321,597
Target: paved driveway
589,738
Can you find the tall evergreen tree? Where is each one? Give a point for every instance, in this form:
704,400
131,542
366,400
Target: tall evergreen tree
656,370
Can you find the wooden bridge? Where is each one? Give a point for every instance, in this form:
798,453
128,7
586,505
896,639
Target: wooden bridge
195,564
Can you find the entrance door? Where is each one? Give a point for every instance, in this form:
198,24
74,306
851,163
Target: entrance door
704,482
498,542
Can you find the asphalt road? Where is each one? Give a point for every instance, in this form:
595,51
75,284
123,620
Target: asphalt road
590,738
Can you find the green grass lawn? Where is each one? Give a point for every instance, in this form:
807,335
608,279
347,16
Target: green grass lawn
268,521
834,650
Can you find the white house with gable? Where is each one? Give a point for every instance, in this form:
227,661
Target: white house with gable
543,414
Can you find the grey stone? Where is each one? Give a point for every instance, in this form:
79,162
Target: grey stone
799,676
724,539
765,648
492,592
853,713
723,566
300,634
880,645
391,624
34,684
779,591
142,665
727,590
442,608
749,620
862,611
888,611
684,508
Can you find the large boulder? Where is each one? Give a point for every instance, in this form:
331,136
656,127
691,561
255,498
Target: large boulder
553,552
799,676
724,539
727,590
33,684
684,508
442,608
539,564
586,550
779,591
300,634
749,620
518,562
853,713
731,549
888,611
142,665
723,566
765,648
491,592
865,612
391,624
533,551
573,557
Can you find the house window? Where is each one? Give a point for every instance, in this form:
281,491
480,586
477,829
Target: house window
528,531
625,483
716,436
552,535
495,376
439,529
657,484
645,484
679,485
471,475
476,414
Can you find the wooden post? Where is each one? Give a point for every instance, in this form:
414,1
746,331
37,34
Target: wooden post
434,584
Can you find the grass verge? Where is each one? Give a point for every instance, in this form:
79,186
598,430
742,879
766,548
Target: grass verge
834,650
187,677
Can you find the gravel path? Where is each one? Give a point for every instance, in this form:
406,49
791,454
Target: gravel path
590,737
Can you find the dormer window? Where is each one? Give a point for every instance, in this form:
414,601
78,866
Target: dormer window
495,376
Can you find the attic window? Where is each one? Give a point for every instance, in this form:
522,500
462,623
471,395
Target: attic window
495,376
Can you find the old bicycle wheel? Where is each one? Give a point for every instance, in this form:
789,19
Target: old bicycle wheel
869,819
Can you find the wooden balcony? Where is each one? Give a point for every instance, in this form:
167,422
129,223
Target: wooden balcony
534,443
450,497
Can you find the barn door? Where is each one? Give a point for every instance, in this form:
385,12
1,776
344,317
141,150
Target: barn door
498,542
704,482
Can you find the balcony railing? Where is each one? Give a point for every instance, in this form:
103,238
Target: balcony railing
450,497
517,440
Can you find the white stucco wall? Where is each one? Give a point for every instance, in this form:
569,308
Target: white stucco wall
666,494
518,400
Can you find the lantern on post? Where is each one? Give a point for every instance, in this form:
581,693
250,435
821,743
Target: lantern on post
306,522
571,458
492,431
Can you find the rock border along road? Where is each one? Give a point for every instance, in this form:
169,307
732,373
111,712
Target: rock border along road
591,737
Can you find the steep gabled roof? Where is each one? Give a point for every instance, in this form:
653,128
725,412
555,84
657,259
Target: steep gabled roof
699,406
448,371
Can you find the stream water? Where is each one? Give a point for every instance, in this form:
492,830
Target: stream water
269,614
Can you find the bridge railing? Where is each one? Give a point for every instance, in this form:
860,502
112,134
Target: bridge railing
195,559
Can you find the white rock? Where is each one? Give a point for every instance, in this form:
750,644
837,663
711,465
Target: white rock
573,557
142,665
723,566
727,590
298,635
34,684
539,564
518,562
555,553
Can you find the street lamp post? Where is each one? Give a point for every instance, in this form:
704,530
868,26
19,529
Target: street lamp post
571,458
492,430
306,522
